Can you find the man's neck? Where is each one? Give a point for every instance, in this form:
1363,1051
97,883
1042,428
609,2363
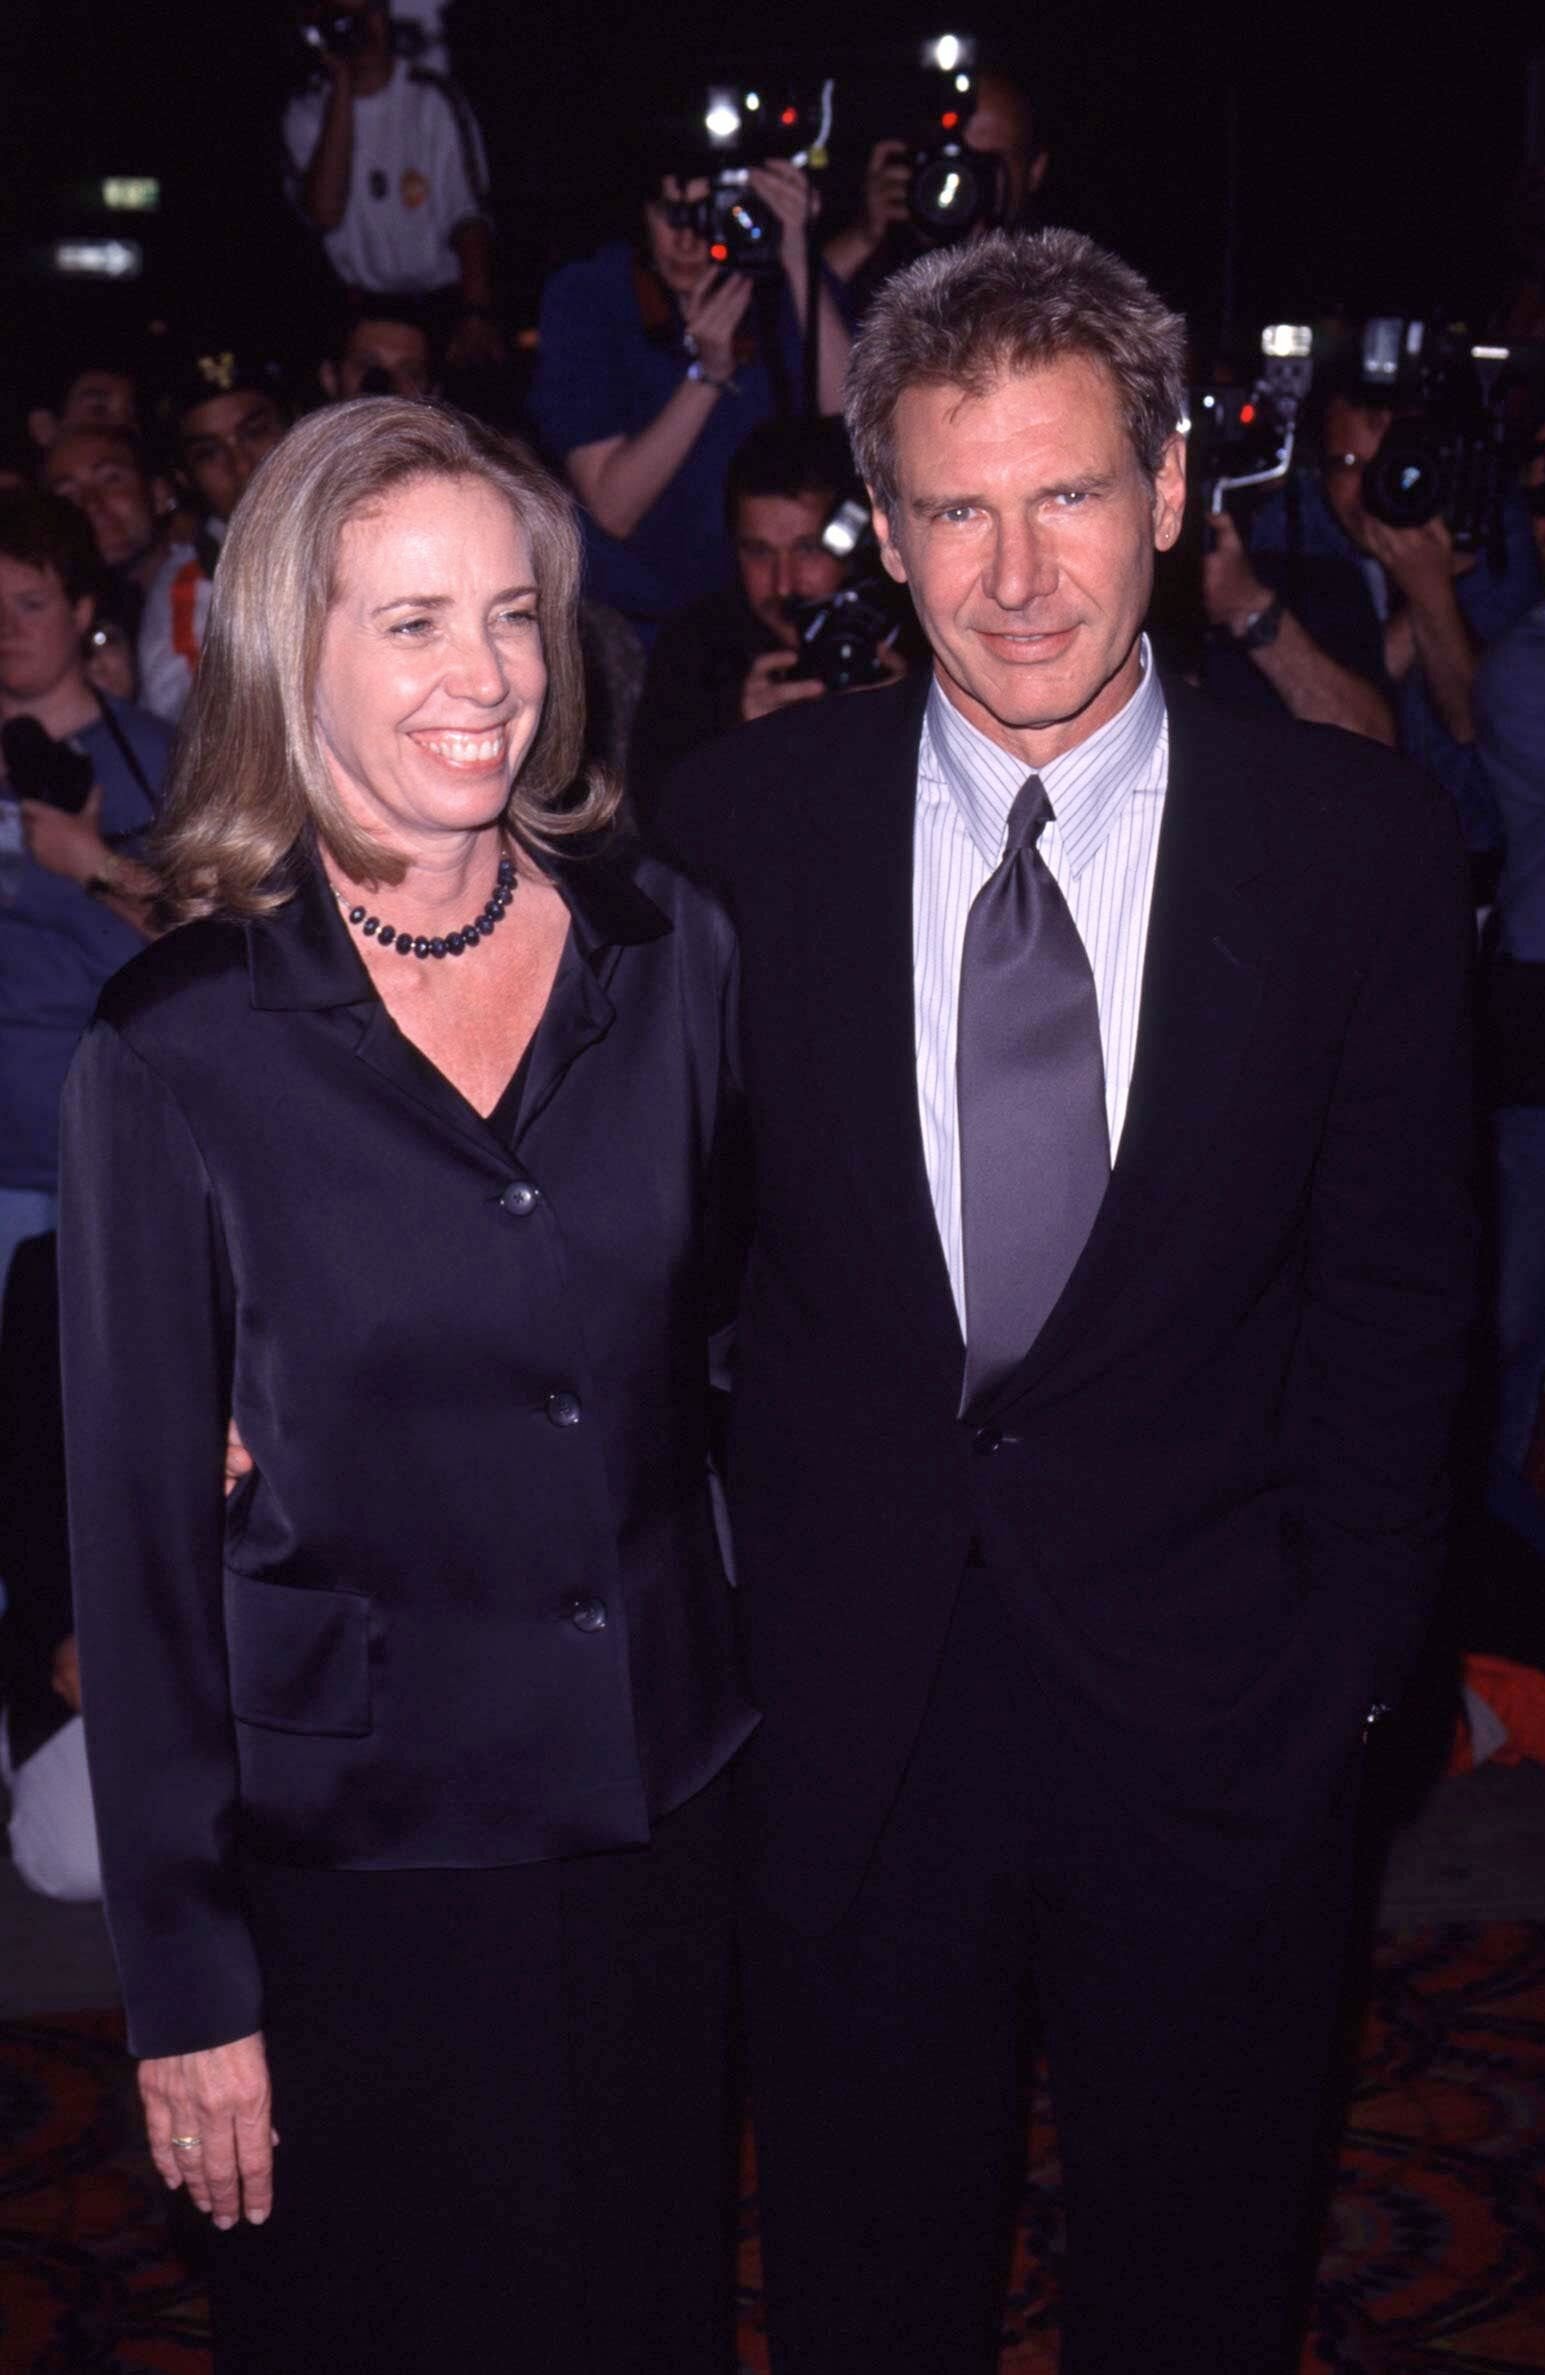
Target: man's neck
67,709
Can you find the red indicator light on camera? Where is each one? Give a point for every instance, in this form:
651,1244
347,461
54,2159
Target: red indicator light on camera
790,115
1246,414
949,119
719,252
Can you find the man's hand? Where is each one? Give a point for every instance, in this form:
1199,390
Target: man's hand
711,316
238,1460
65,1675
886,180
1231,591
217,2105
1421,561
68,845
768,685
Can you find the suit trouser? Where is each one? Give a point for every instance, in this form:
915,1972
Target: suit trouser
1188,2029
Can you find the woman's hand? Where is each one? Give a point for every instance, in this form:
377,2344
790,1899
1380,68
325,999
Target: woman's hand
216,2105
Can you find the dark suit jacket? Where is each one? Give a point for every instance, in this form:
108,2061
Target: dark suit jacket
1213,1489
472,1607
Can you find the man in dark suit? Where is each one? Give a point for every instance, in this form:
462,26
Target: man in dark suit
1104,1319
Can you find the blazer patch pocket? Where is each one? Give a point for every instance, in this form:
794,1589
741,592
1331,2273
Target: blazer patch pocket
299,1659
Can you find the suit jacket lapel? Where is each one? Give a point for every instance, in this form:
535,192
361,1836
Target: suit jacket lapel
1203,972
864,863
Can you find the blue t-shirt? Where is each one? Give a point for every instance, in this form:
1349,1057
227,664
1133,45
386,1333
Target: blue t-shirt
600,373
57,948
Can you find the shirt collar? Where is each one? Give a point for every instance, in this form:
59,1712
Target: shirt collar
1087,786
303,954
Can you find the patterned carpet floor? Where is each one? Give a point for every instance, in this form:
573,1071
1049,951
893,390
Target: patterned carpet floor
1435,2251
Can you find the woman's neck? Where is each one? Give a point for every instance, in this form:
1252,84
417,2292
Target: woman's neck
441,890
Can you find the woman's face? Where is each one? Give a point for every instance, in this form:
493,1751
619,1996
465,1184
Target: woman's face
432,678
40,631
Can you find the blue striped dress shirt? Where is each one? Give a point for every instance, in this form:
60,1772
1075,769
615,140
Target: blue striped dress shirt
1107,797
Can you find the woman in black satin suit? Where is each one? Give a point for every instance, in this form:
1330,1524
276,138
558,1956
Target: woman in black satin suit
410,1761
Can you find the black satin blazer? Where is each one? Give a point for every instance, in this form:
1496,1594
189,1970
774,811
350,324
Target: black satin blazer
469,1608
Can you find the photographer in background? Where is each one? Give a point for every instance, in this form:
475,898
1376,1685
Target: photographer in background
380,347
387,163
1347,621
80,779
223,412
1002,125
734,655
654,363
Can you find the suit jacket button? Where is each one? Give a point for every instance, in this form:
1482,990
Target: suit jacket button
563,1409
588,1616
520,1197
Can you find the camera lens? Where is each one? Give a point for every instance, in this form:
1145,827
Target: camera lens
1405,483
948,193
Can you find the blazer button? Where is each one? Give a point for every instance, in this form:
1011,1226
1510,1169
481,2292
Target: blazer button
520,1197
588,1616
563,1409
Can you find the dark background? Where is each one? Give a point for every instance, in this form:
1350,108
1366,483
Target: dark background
1375,147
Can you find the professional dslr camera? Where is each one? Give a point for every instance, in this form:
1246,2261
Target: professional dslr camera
953,188
842,635
1454,448
745,128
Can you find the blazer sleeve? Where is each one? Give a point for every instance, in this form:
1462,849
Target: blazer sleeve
146,1328
1383,1350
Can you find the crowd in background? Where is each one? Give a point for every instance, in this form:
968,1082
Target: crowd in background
677,396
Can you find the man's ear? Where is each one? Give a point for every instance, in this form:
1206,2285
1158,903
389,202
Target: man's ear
1037,173
327,373
890,555
84,614
1169,494
42,427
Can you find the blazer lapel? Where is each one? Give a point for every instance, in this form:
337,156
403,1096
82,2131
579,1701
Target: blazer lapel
863,862
1203,972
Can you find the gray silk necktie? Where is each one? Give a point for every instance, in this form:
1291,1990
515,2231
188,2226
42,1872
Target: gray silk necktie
1034,1143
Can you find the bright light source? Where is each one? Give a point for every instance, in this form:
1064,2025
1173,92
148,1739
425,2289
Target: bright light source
948,193
99,259
722,122
131,193
1489,354
1290,340
753,101
962,83
946,53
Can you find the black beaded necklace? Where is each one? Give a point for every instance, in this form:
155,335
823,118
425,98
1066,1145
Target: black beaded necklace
409,945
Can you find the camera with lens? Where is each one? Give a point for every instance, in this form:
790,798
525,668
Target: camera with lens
953,188
841,635
1451,450
745,128
337,32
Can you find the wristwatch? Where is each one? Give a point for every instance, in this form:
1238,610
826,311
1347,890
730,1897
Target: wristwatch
706,379
1260,628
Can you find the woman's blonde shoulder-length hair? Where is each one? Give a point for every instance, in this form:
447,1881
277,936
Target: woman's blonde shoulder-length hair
249,786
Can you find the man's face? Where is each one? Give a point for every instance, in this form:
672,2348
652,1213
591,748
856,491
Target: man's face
1026,527
99,400
99,472
781,556
679,254
223,442
400,349
40,631
1000,125
1353,434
